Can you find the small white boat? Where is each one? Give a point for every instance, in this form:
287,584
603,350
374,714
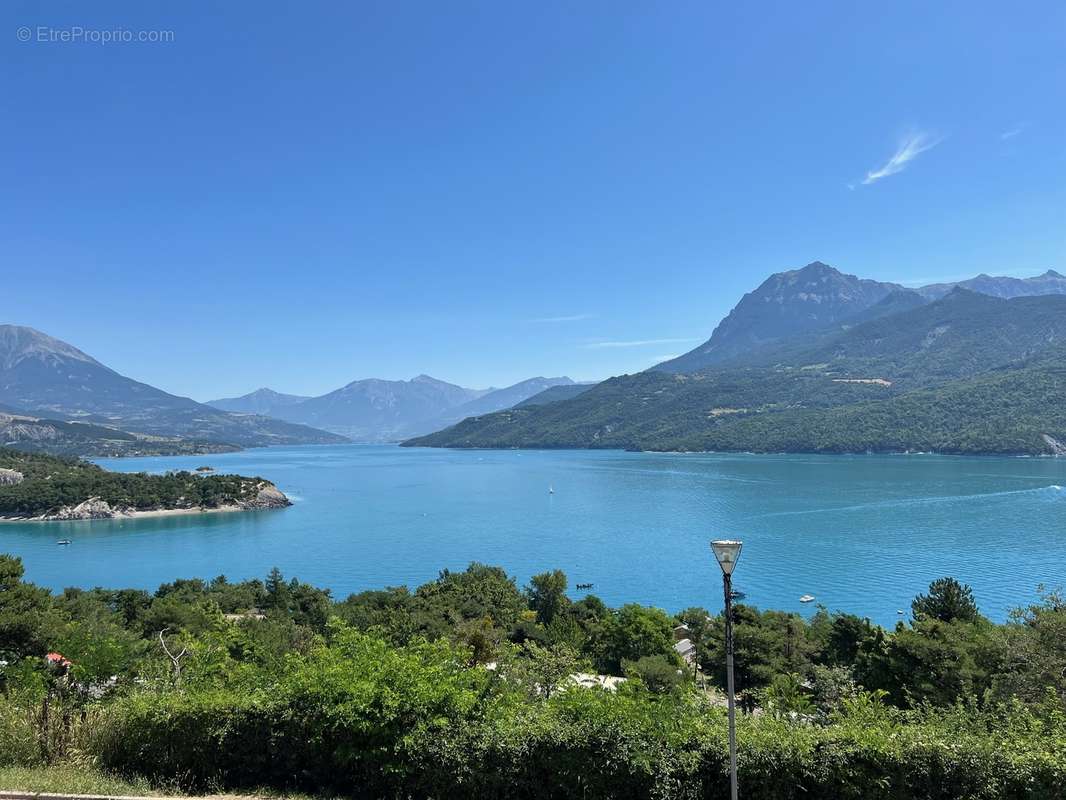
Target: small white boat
551,490
899,610
807,598
63,541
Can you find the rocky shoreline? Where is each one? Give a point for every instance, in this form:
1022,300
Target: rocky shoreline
268,497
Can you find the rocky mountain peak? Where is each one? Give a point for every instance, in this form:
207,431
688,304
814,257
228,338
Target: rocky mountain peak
785,304
429,380
815,269
19,343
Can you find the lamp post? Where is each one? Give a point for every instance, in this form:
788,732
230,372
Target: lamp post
727,551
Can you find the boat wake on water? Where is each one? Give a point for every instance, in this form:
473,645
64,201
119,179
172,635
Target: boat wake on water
920,501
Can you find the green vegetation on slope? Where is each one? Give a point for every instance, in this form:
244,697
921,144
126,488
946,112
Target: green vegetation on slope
462,689
968,374
50,483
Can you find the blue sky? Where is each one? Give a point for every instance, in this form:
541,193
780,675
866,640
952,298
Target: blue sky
298,195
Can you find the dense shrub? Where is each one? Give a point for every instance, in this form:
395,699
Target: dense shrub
343,716
363,718
464,689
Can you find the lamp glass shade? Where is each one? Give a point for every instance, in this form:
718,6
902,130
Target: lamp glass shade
727,551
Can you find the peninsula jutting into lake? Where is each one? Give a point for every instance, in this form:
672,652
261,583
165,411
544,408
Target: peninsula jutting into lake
40,488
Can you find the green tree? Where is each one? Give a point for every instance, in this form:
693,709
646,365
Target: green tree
1035,650
786,695
947,601
479,591
847,632
390,611
543,670
766,644
277,592
547,595
24,613
931,662
659,674
632,633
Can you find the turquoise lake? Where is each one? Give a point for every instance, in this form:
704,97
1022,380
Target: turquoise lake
860,533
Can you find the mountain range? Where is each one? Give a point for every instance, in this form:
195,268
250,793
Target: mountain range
261,401
816,360
374,410
46,383
57,399
817,295
813,359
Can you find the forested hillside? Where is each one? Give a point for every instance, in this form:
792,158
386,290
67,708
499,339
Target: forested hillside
968,373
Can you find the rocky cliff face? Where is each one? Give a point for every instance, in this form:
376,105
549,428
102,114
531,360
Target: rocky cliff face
817,297
10,477
269,497
786,304
93,508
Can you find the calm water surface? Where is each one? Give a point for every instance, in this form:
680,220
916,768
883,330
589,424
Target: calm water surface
861,533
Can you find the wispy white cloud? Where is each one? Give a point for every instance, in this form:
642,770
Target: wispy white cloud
634,343
570,318
1017,129
912,146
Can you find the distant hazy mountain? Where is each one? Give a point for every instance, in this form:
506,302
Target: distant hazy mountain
892,303
48,377
1050,282
966,373
374,410
262,401
500,399
786,304
554,394
490,402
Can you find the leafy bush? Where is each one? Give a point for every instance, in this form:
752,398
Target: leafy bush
366,719
343,716
275,691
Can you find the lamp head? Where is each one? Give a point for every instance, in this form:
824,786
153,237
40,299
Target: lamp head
727,551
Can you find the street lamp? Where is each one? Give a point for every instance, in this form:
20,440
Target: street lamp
727,551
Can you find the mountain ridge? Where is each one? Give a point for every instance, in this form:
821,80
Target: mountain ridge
49,378
784,304
818,296
927,375
262,401
379,410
